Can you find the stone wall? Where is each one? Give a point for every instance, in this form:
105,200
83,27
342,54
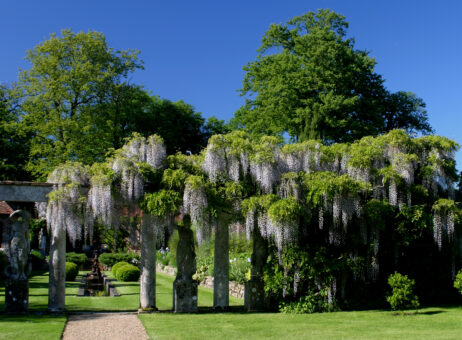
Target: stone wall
235,289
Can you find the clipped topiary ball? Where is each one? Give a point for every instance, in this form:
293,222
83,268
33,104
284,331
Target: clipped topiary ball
116,267
128,272
71,271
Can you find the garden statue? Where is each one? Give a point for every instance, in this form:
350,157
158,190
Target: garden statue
17,284
42,242
19,245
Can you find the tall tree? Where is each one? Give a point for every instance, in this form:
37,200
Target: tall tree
69,77
309,81
182,128
404,110
13,145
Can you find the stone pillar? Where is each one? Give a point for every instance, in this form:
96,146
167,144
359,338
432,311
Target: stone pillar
184,287
148,264
254,297
57,284
221,266
16,296
17,283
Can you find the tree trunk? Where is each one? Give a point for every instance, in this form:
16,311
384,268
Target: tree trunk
57,284
221,266
148,264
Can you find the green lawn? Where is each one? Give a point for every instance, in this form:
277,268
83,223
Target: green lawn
51,327
128,301
430,323
32,327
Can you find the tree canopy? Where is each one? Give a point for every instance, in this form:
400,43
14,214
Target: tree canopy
69,77
75,103
309,81
13,144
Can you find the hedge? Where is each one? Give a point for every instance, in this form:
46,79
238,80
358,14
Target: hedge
128,272
109,259
78,259
117,266
71,271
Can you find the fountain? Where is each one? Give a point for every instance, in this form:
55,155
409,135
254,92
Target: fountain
95,283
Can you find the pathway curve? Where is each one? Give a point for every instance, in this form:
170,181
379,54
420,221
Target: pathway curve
104,326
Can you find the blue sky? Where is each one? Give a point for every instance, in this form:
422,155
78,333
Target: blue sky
195,50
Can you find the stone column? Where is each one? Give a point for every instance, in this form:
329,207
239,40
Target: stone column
148,264
184,287
57,284
254,297
221,266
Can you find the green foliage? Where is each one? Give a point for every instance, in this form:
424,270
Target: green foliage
411,223
72,270
14,145
116,266
285,210
109,259
127,272
174,179
458,281
402,296
69,98
78,259
239,265
35,225
38,260
378,213
161,203
181,127
308,80
106,234
313,302
239,254
315,268
443,206
201,273
319,184
3,263
172,245
255,203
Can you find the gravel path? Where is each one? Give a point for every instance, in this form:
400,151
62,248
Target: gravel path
102,326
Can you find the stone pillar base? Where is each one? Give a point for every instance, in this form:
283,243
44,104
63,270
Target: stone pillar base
254,296
184,296
16,296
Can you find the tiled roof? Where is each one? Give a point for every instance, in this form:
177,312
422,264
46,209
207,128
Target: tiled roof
5,209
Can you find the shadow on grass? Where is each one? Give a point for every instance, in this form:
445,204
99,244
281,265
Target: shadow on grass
27,318
431,312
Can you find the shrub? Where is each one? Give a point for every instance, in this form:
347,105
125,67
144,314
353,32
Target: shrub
109,259
201,274
128,272
78,259
117,266
311,303
37,259
239,265
458,281
402,296
71,271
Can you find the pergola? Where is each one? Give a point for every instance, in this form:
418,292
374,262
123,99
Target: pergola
185,289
